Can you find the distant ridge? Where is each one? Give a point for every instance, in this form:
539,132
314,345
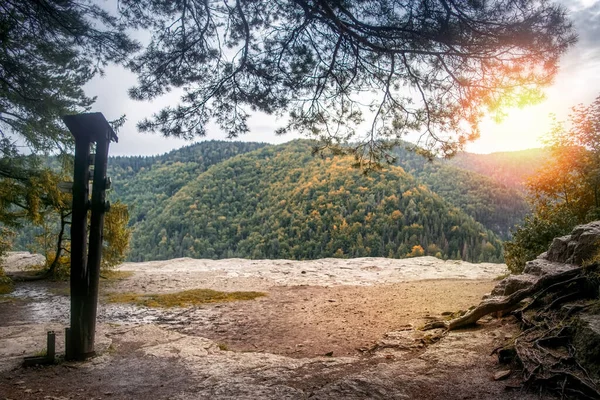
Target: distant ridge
509,168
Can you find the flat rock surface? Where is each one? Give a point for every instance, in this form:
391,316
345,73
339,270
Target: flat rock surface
19,261
187,272
341,329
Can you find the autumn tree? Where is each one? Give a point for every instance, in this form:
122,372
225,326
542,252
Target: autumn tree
26,190
49,50
6,236
55,243
362,73
116,236
565,191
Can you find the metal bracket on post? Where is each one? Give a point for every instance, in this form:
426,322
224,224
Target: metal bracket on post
85,262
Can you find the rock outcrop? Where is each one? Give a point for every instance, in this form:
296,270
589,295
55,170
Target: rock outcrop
557,302
18,261
564,254
578,247
587,343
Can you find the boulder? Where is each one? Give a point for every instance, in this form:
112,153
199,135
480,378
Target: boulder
541,266
578,247
513,283
587,343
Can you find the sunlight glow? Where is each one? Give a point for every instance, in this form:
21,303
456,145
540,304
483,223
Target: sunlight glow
577,83
520,130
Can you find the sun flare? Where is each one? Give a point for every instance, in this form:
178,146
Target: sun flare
521,128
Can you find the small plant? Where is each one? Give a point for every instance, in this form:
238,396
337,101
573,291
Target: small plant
41,353
223,346
503,276
6,284
112,349
6,288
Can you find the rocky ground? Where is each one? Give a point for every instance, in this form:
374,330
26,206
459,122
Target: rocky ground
327,329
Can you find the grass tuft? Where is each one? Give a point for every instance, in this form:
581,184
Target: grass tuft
41,353
181,299
503,276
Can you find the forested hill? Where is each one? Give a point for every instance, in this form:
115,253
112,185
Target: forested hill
281,202
234,199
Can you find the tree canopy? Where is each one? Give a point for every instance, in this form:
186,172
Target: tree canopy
565,191
150,185
48,50
430,66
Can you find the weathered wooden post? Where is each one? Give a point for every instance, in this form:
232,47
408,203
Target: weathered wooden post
85,263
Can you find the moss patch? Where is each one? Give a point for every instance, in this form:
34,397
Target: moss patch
41,353
6,287
182,299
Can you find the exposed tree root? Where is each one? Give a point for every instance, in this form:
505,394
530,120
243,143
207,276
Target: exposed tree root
508,303
544,351
547,359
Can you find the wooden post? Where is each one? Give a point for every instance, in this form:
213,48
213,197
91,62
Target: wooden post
95,245
68,355
51,346
85,264
79,275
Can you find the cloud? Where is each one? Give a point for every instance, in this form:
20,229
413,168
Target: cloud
586,20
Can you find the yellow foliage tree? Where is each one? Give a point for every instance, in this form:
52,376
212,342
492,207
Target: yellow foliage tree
116,236
54,218
417,251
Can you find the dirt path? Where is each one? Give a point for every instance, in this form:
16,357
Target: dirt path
354,338
308,321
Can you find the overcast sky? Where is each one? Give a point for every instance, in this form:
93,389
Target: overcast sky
577,82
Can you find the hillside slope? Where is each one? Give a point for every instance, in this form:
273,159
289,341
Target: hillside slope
497,206
279,201
145,183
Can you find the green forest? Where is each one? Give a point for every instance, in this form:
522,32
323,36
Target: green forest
219,199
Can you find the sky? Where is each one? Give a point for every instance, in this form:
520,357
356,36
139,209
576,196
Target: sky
578,82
